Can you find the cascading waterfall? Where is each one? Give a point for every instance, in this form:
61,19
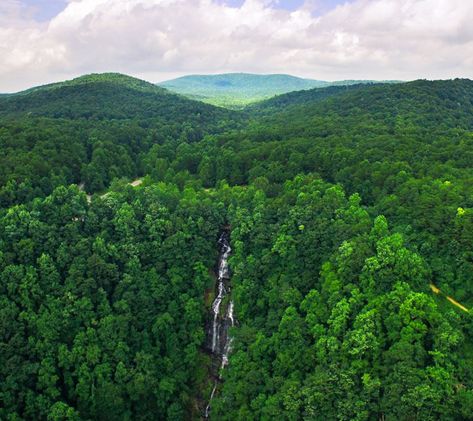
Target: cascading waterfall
220,343
228,343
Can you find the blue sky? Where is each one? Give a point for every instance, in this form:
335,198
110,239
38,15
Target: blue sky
46,9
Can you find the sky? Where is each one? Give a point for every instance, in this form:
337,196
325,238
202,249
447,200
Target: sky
43,41
47,9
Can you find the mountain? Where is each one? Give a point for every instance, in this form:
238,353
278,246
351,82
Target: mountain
239,89
435,105
303,97
96,78
104,96
91,130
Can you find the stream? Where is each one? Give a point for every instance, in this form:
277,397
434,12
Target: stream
219,341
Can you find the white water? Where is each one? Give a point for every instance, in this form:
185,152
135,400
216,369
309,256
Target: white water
216,310
230,313
228,344
207,408
223,274
220,325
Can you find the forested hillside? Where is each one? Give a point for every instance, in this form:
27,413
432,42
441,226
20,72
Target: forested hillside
103,303
347,207
91,130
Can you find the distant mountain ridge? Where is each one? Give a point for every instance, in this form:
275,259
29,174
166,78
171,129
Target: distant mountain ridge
236,90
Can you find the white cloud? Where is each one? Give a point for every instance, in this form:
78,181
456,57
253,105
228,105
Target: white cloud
156,39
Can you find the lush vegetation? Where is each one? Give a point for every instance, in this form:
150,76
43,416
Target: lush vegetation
345,205
336,316
236,90
102,305
91,130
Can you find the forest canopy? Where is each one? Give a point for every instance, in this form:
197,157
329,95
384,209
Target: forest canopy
350,211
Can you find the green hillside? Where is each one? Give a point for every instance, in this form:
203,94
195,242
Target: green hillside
104,96
95,78
91,130
236,90
349,212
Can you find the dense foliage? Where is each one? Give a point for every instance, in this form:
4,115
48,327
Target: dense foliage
102,305
346,205
91,130
336,317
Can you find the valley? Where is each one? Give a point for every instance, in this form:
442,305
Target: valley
237,90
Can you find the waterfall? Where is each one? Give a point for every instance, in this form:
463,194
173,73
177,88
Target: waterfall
207,408
220,343
228,343
216,311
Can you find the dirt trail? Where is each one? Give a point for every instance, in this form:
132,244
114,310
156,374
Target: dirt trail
436,290
136,183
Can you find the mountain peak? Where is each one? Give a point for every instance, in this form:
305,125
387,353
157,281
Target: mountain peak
100,78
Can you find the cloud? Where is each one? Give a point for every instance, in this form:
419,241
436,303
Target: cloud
155,39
